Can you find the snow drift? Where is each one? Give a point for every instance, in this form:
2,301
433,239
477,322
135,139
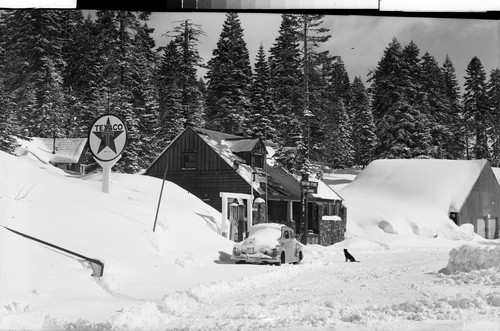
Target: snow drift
410,196
46,203
468,258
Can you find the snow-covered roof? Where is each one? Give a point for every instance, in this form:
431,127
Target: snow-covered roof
280,179
67,150
447,180
496,171
242,145
288,184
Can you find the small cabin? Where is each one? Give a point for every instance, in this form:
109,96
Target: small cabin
237,176
64,153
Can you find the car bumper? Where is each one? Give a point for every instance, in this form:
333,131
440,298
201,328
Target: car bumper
255,258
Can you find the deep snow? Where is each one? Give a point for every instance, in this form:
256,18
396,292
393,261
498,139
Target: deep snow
181,276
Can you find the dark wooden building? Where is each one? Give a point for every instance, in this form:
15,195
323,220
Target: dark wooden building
231,174
482,205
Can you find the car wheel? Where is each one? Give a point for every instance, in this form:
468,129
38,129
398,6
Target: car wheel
282,259
300,258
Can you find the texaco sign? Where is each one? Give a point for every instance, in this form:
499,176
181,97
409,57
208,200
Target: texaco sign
107,137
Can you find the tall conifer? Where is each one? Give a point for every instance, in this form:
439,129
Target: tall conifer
494,104
363,127
476,110
262,115
456,149
286,78
229,78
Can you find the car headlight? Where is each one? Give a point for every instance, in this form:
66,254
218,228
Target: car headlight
236,250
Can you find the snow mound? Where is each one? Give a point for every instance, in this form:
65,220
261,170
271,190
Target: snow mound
44,202
468,258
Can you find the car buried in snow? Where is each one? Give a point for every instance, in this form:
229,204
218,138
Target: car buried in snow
268,243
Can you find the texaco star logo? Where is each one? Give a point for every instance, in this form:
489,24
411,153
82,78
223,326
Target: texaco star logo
107,137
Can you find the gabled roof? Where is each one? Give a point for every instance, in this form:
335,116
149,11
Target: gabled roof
496,172
67,150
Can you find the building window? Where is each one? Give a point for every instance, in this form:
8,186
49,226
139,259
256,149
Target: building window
258,161
189,161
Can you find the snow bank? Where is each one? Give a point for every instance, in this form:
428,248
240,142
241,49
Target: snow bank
468,258
45,202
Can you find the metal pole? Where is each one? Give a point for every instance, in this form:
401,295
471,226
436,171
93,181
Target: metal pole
161,193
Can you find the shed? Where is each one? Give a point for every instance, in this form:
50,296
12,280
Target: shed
231,172
424,194
64,153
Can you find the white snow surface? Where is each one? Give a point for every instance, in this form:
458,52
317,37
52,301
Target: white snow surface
181,276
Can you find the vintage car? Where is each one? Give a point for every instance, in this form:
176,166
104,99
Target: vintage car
269,243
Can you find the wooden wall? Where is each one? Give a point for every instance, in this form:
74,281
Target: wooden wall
483,200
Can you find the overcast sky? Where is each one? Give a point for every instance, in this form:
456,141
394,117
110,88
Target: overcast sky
359,40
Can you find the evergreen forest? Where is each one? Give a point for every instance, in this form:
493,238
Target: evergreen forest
60,69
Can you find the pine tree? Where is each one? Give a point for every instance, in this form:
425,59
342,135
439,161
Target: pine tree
311,35
363,131
229,78
401,108
410,78
432,87
172,120
187,36
404,133
339,80
338,143
456,146
476,110
261,114
7,121
386,80
34,63
494,103
177,74
284,63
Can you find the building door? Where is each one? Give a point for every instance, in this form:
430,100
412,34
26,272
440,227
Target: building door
481,227
491,226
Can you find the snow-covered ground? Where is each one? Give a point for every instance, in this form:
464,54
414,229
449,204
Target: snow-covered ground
181,277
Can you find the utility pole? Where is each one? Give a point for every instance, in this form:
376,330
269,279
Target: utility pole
304,224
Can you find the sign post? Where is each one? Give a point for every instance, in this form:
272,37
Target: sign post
306,187
107,140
